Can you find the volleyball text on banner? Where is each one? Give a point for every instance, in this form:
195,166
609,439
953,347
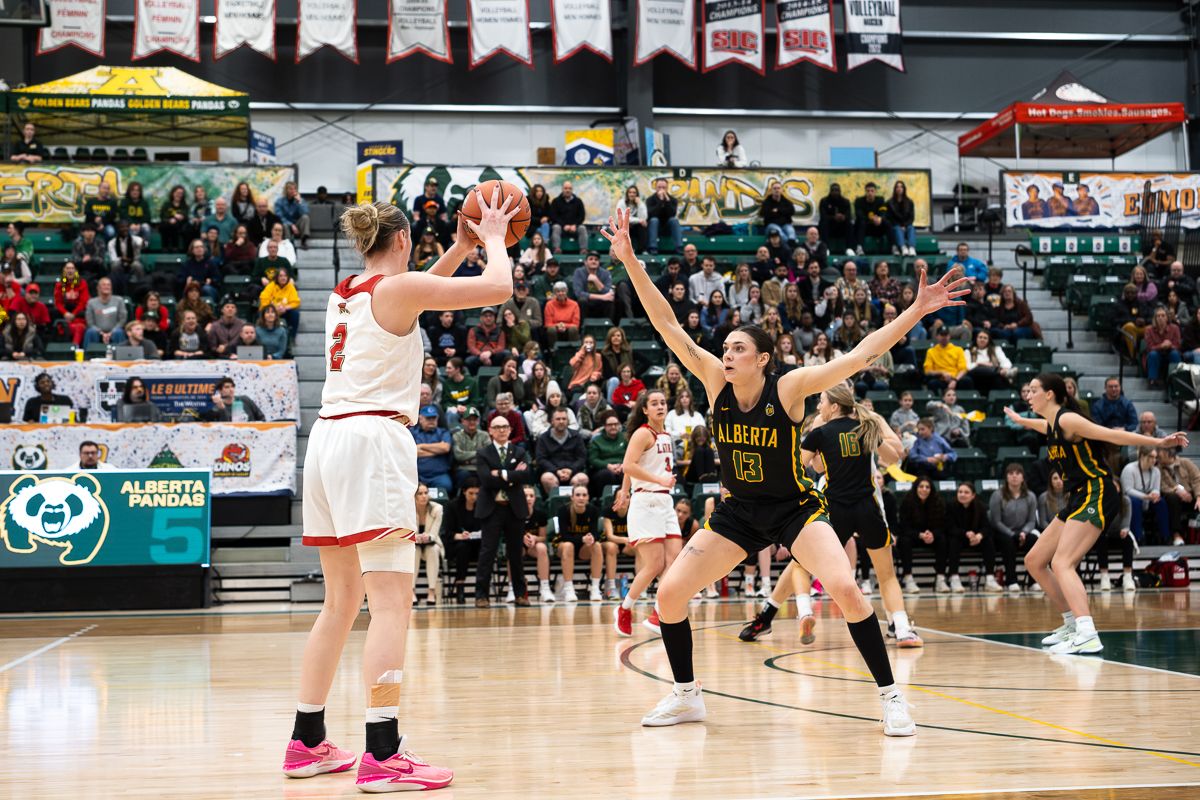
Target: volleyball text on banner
733,33
805,33
581,25
166,25
666,26
418,26
499,26
244,22
329,23
873,33
77,22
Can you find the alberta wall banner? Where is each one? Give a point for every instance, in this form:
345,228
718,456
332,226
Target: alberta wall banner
244,22
77,22
706,195
873,33
171,26
1097,199
327,23
109,518
56,193
178,389
245,458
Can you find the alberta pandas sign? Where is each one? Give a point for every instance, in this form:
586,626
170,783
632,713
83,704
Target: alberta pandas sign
233,463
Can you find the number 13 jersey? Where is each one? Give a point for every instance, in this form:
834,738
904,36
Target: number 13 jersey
759,448
366,367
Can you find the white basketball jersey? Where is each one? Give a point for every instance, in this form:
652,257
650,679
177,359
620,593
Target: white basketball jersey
658,459
366,367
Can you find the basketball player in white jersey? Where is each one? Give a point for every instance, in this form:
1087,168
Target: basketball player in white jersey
360,475
653,525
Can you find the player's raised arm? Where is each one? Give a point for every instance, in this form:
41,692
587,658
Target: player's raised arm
1081,426
701,363
930,297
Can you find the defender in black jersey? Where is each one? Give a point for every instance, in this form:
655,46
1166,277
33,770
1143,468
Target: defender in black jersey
754,420
1077,448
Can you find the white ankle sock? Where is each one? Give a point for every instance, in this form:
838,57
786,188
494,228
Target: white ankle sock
771,602
1068,618
901,620
543,584
628,602
309,708
595,583
803,606
383,713
1085,626
885,691
685,688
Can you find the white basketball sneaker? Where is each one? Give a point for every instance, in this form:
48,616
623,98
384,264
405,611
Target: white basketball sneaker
910,585
1079,644
1105,582
546,595
896,719
676,708
1063,633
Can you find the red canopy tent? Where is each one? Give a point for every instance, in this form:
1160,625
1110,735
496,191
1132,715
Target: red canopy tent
1069,120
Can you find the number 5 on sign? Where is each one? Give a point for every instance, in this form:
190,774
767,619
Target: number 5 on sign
747,467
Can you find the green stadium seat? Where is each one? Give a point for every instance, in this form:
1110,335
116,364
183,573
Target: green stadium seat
971,400
60,351
999,398
991,434
1012,455
1034,352
884,400
972,464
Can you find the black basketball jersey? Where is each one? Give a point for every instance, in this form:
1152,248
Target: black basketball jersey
848,466
759,448
1079,461
620,522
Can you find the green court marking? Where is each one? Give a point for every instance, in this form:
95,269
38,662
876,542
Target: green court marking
1177,650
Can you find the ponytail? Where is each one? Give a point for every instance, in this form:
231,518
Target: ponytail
638,417
870,430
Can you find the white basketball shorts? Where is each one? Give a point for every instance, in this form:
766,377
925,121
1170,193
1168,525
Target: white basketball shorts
652,517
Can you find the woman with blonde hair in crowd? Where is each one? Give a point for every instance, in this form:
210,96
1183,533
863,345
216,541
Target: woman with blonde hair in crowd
785,354
632,202
739,287
671,382
791,308
771,323
684,417
753,310
430,549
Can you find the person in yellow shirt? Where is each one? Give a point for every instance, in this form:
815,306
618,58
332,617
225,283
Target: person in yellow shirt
946,364
282,294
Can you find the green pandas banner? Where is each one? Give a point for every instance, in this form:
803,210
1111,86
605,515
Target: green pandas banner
104,518
57,193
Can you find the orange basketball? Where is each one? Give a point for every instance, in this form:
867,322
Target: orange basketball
516,226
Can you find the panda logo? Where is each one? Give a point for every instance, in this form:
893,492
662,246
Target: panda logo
61,512
28,457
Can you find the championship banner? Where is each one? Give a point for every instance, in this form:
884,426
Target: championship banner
581,25
179,389
244,22
77,22
245,458
56,193
499,26
873,33
706,195
105,518
666,26
805,33
733,33
327,23
418,26
171,26
1097,199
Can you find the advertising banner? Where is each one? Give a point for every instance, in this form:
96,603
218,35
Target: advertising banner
108,518
418,26
77,22
705,195
244,22
666,26
244,458
372,153
1097,199
581,25
499,26
805,33
56,193
171,26
329,23
873,33
262,148
733,33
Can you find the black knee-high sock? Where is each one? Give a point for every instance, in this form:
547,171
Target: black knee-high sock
309,727
869,641
383,739
677,639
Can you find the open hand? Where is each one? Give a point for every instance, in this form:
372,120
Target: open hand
1012,415
945,292
493,216
1179,439
620,245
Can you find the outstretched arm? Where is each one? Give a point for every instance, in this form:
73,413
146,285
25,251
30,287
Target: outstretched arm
1036,424
1079,425
703,364
799,383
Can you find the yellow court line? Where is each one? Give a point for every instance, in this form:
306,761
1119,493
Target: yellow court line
966,702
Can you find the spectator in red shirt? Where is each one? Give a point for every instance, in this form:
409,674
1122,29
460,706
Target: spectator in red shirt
31,303
156,318
71,297
485,343
561,317
1162,347
11,292
504,408
626,392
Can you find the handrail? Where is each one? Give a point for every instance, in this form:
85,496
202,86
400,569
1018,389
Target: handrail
1026,251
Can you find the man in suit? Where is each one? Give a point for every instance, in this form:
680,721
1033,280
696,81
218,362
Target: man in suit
502,508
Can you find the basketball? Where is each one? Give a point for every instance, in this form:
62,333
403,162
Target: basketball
516,226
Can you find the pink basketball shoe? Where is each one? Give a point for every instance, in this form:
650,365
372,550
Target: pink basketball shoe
301,761
403,772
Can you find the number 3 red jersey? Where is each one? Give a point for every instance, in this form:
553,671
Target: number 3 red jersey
366,367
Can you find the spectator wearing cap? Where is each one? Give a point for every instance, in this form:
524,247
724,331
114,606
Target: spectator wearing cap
662,212
31,303
460,390
430,218
293,213
562,317
541,285
870,217
525,307
777,212
430,193
433,450
465,443
593,289
972,267
485,342
224,331
1060,205
229,406
566,216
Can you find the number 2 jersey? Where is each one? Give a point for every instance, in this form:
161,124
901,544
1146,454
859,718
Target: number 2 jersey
366,367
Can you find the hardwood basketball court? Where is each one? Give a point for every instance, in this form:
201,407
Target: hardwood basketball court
545,703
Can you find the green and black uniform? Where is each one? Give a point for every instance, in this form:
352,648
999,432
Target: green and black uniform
771,499
1092,494
573,530
850,490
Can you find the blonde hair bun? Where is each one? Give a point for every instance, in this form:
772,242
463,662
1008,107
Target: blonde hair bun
371,226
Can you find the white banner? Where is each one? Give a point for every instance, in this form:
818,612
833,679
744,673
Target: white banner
805,33
666,26
873,33
1097,199
244,22
581,25
166,25
245,458
418,26
77,22
327,22
499,26
733,34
